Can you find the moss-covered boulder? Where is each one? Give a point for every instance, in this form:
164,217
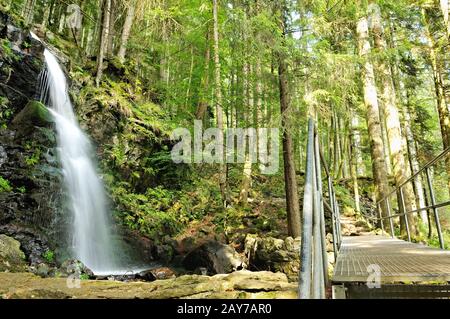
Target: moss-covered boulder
12,259
34,113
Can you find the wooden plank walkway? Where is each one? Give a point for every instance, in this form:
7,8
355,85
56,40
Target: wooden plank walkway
398,261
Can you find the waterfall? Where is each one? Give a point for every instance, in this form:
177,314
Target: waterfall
91,229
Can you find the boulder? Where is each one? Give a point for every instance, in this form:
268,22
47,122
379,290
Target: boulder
42,270
163,253
12,259
273,254
160,273
349,230
75,267
32,243
217,258
34,113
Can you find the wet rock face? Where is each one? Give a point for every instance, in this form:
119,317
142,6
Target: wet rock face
30,166
21,61
30,204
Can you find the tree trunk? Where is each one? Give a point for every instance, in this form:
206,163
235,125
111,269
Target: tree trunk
191,72
163,65
111,29
28,11
356,141
218,101
247,172
373,117
355,158
46,16
412,151
387,158
444,8
393,126
126,31
443,111
291,188
259,95
203,99
103,41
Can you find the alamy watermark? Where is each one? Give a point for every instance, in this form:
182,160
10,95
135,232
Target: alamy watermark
374,278
74,17
235,145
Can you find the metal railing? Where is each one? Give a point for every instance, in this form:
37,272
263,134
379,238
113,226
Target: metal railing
314,280
430,200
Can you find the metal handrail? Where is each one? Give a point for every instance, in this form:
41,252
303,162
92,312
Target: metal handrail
413,177
399,191
313,277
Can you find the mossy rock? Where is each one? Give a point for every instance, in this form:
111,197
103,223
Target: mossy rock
34,113
12,259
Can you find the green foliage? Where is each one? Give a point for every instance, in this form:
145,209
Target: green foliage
5,111
7,51
33,159
22,189
344,197
84,277
49,256
5,186
160,212
154,213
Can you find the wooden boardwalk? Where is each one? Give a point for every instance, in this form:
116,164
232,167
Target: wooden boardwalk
398,261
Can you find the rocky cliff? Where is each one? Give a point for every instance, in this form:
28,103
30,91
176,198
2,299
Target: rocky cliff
29,172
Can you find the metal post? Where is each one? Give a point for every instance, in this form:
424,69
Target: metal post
333,218
402,199
391,222
435,210
321,215
381,219
306,245
338,219
317,274
336,212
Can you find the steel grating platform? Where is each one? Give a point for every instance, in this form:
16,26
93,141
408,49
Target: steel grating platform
397,291
397,261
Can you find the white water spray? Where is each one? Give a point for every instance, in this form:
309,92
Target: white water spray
91,238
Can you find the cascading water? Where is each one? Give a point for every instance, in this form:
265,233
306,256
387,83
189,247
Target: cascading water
91,239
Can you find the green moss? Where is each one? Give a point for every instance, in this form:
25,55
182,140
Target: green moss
40,111
5,186
34,113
